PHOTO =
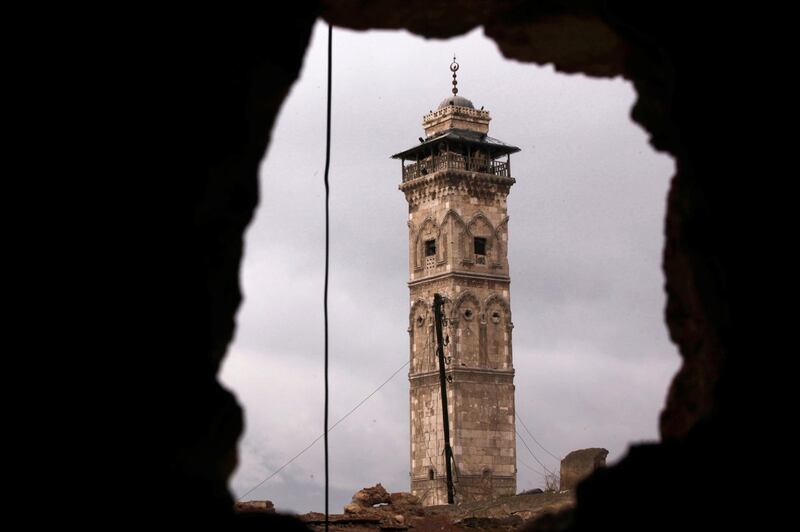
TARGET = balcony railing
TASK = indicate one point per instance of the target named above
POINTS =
(454, 161)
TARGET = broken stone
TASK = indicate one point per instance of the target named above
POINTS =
(578, 465)
(352, 508)
(317, 518)
(369, 497)
(261, 507)
(497, 515)
(509, 522)
(402, 500)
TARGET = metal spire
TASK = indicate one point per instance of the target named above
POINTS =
(453, 69)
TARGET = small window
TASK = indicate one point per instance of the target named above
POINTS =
(430, 248)
(480, 246)
(430, 474)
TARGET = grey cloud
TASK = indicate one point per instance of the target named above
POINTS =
(590, 349)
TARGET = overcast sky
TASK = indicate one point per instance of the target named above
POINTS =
(591, 351)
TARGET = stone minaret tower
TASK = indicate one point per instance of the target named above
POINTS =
(456, 182)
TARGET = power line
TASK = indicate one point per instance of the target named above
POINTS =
(531, 452)
(327, 259)
(521, 461)
(310, 445)
(534, 439)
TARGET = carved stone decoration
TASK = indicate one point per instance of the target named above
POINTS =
(428, 230)
(467, 341)
(419, 326)
(454, 229)
(498, 332)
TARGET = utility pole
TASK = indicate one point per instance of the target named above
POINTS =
(448, 452)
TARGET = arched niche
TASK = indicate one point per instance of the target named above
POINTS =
(498, 332)
(466, 318)
(422, 344)
(482, 249)
(454, 239)
(427, 249)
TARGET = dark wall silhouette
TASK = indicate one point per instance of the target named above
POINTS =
(215, 95)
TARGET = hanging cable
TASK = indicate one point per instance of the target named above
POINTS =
(310, 445)
(531, 453)
(327, 260)
(534, 439)
(521, 461)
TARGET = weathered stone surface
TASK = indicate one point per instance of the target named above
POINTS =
(402, 501)
(421, 17)
(369, 497)
(262, 521)
(353, 508)
(491, 523)
(579, 464)
(365, 517)
(505, 513)
(254, 507)
(181, 434)
(536, 504)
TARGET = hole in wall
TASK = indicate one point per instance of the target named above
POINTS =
(591, 353)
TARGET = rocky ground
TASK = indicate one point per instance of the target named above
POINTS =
(376, 509)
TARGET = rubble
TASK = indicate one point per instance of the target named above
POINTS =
(369, 497)
(260, 507)
(373, 508)
(579, 464)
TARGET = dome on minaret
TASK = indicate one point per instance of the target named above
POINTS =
(456, 100)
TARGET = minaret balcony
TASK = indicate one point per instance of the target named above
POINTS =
(454, 161)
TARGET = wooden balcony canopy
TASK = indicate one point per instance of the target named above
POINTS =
(460, 141)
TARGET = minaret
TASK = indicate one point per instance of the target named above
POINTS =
(456, 182)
